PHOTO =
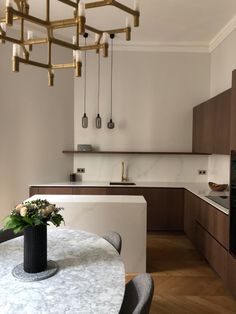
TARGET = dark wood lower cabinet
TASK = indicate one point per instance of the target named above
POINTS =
(208, 229)
(213, 251)
(50, 190)
(165, 209)
(231, 282)
(90, 191)
(190, 213)
(214, 221)
(173, 209)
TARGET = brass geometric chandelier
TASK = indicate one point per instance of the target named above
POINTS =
(20, 10)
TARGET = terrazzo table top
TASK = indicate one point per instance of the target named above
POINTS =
(91, 277)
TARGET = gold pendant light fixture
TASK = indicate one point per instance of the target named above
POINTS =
(19, 10)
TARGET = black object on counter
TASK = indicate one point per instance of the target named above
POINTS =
(73, 177)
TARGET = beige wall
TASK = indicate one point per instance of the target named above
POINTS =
(36, 124)
(153, 99)
(223, 62)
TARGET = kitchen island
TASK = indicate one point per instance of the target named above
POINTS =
(102, 213)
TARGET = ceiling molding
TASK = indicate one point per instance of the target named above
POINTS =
(223, 34)
(162, 47)
(191, 47)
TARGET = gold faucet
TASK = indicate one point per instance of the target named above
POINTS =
(123, 177)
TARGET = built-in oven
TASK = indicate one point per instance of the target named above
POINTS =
(232, 238)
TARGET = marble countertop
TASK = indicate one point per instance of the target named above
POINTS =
(199, 189)
(91, 277)
(134, 199)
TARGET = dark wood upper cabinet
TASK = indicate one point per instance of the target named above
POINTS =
(221, 125)
(203, 127)
(211, 125)
(233, 114)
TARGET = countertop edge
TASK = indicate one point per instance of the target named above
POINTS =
(198, 189)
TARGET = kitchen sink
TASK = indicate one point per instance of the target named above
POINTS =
(122, 183)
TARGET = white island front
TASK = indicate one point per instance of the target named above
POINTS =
(98, 214)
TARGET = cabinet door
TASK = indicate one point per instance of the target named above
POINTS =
(191, 205)
(216, 255)
(203, 122)
(33, 190)
(165, 209)
(55, 190)
(164, 206)
(232, 274)
(214, 221)
(221, 136)
(211, 125)
(89, 191)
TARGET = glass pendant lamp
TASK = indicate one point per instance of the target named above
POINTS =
(98, 118)
(111, 124)
(85, 118)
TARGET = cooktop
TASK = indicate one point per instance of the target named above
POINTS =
(222, 200)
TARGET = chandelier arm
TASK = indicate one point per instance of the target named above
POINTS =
(98, 4)
(94, 30)
(49, 54)
(28, 17)
(34, 63)
(35, 41)
(63, 43)
(11, 40)
(70, 3)
(18, 4)
(63, 66)
(77, 26)
(125, 8)
(22, 23)
(3, 19)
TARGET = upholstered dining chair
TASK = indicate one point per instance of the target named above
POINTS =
(138, 295)
(114, 239)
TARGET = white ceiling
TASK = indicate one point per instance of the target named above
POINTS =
(162, 21)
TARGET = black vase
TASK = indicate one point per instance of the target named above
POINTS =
(35, 249)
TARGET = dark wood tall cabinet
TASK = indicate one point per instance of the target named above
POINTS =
(211, 125)
(203, 127)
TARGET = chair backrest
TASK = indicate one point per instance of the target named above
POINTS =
(114, 239)
(8, 235)
(138, 295)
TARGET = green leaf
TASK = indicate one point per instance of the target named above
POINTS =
(28, 220)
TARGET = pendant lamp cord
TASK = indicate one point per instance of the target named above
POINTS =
(99, 69)
(85, 76)
(111, 74)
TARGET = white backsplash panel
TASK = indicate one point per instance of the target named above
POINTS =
(219, 168)
(164, 168)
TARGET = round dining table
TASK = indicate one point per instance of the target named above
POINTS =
(90, 279)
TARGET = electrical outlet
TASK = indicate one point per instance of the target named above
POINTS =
(81, 170)
(202, 172)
